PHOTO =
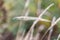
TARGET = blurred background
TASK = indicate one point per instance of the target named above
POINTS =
(12, 28)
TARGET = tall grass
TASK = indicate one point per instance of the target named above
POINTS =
(29, 35)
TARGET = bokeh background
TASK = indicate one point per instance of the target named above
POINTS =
(13, 29)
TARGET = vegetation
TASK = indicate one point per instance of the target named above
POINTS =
(29, 19)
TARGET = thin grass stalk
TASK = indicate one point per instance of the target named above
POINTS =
(48, 28)
(58, 37)
(26, 6)
(50, 33)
